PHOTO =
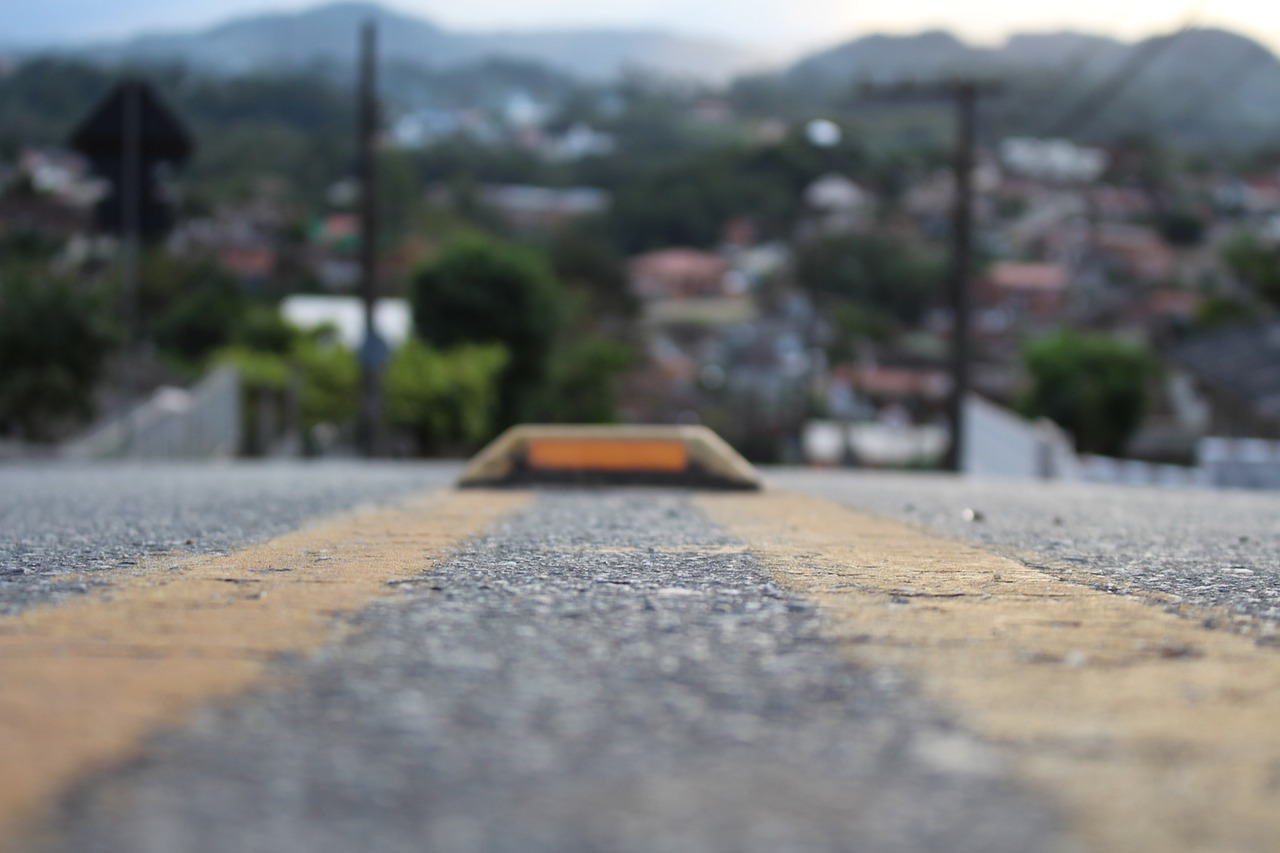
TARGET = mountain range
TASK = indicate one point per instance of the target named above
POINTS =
(1199, 85)
(288, 41)
(1205, 85)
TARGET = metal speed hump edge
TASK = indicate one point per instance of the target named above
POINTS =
(610, 455)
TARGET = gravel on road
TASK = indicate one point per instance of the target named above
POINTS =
(1206, 548)
(71, 519)
(606, 671)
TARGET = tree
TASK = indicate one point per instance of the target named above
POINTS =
(54, 340)
(444, 399)
(1256, 264)
(885, 278)
(585, 262)
(478, 290)
(200, 317)
(1091, 385)
(580, 384)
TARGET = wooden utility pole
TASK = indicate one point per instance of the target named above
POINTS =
(964, 94)
(373, 352)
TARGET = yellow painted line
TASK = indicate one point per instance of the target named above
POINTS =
(1152, 732)
(572, 454)
(82, 683)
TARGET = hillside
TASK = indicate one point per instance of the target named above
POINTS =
(327, 35)
(1203, 86)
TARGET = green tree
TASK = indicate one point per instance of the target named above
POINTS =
(580, 385)
(323, 374)
(54, 339)
(200, 317)
(445, 399)
(1256, 264)
(588, 265)
(1216, 312)
(886, 279)
(329, 378)
(686, 200)
(478, 290)
(1091, 385)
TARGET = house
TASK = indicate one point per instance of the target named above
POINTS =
(1136, 251)
(835, 204)
(1053, 159)
(1238, 372)
(392, 318)
(539, 208)
(1025, 293)
(678, 274)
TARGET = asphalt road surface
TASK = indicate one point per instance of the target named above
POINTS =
(68, 520)
(1212, 548)
(600, 671)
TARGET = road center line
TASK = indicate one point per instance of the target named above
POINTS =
(82, 683)
(1153, 732)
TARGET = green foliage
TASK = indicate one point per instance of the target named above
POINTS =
(259, 370)
(296, 128)
(42, 99)
(580, 387)
(445, 399)
(478, 290)
(201, 317)
(855, 324)
(887, 280)
(54, 339)
(263, 327)
(324, 375)
(687, 200)
(1255, 263)
(329, 376)
(1216, 312)
(586, 263)
(1091, 385)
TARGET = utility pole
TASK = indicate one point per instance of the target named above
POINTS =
(130, 202)
(373, 352)
(964, 94)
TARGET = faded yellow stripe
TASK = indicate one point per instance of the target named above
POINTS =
(82, 683)
(1154, 733)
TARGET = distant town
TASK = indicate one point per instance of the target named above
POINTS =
(766, 256)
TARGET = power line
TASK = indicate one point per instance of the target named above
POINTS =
(1101, 96)
(1072, 67)
(1198, 101)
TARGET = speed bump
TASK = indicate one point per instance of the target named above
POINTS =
(534, 454)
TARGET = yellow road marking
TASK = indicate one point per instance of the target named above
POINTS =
(1152, 732)
(82, 683)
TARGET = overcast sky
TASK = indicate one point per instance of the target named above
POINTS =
(782, 24)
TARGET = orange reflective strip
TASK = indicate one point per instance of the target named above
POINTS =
(576, 454)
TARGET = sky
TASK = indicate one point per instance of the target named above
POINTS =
(780, 25)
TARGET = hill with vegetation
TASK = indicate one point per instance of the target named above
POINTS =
(326, 35)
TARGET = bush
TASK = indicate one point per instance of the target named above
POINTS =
(54, 340)
(445, 400)
(1091, 385)
(480, 291)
